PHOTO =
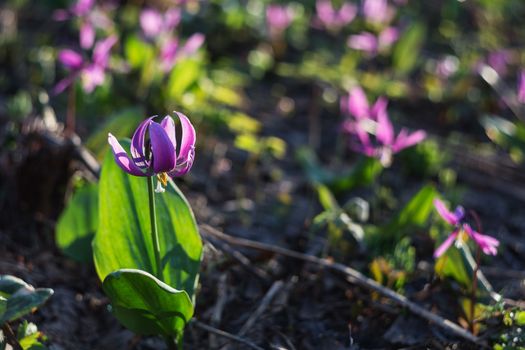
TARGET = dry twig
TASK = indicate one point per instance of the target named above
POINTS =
(224, 334)
(353, 276)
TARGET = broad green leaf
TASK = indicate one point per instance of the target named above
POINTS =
(123, 239)
(21, 297)
(184, 74)
(362, 173)
(120, 124)
(138, 53)
(78, 223)
(29, 337)
(145, 304)
(415, 212)
(406, 51)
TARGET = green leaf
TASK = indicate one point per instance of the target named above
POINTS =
(78, 223)
(459, 264)
(184, 74)
(146, 305)
(120, 124)
(123, 239)
(21, 297)
(415, 212)
(406, 52)
(138, 52)
(3, 306)
(362, 173)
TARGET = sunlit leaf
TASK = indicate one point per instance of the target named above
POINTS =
(78, 223)
(406, 51)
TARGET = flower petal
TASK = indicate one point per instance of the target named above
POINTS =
(162, 149)
(385, 129)
(193, 43)
(122, 159)
(487, 243)
(446, 244)
(405, 140)
(87, 35)
(70, 59)
(137, 148)
(169, 126)
(186, 153)
(445, 213)
(102, 50)
(364, 42)
(150, 22)
(357, 103)
(64, 84)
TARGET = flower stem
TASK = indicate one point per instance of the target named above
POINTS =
(154, 232)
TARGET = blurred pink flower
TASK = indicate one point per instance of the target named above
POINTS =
(91, 73)
(378, 11)
(90, 18)
(487, 244)
(171, 52)
(330, 18)
(153, 23)
(371, 43)
(278, 18)
(366, 121)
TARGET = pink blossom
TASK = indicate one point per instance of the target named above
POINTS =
(278, 18)
(373, 130)
(153, 23)
(371, 43)
(91, 73)
(332, 19)
(487, 244)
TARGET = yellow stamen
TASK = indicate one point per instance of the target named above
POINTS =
(163, 178)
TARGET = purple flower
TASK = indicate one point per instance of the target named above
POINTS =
(153, 23)
(377, 11)
(91, 73)
(90, 19)
(371, 43)
(171, 51)
(278, 18)
(487, 244)
(332, 19)
(157, 155)
(373, 121)
(521, 87)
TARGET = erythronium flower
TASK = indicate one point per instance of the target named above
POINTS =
(521, 87)
(487, 244)
(92, 73)
(153, 23)
(373, 121)
(90, 18)
(377, 11)
(171, 51)
(159, 155)
(371, 43)
(278, 18)
(332, 19)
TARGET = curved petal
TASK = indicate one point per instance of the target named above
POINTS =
(70, 59)
(385, 129)
(137, 148)
(487, 243)
(122, 159)
(446, 244)
(150, 22)
(102, 50)
(169, 126)
(87, 35)
(162, 149)
(64, 84)
(379, 107)
(405, 140)
(357, 103)
(193, 43)
(188, 137)
(445, 213)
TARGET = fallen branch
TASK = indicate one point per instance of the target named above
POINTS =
(224, 334)
(353, 276)
(265, 302)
